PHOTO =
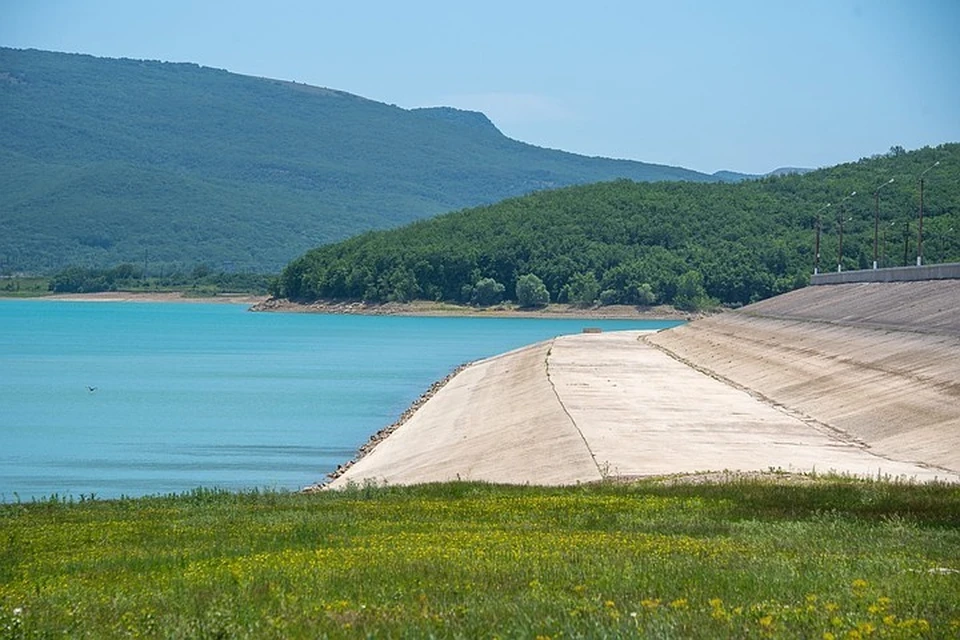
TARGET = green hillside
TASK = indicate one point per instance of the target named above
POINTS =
(629, 243)
(105, 161)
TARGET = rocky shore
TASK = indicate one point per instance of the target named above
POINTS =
(427, 308)
(382, 434)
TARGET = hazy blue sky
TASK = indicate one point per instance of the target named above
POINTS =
(726, 84)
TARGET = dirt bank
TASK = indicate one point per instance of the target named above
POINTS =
(425, 308)
(164, 296)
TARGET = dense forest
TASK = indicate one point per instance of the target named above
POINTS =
(106, 161)
(682, 243)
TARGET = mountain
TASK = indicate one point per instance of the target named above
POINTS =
(786, 171)
(640, 243)
(104, 161)
(734, 176)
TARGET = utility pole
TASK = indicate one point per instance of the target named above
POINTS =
(906, 241)
(840, 246)
(920, 227)
(876, 219)
(816, 250)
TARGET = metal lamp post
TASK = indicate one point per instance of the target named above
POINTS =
(876, 219)
(840, 245)
(883, 245)
(816, 249)
(920, 227)
(906, 240)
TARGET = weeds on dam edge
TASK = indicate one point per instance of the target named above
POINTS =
(836, 558)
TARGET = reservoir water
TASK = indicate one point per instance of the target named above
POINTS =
(133, 399)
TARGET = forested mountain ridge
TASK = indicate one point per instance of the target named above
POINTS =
(644, 243)
(104, 161)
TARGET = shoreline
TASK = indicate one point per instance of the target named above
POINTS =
(417, 308)
(382, 434)
(150, 296)
(423, 308)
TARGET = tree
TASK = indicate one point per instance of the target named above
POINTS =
(583, 289)
(531, 292)
(402, 285)
(690, 294)
(487, 292)
(646, 296)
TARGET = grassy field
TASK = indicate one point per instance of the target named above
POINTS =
(24, 286)
(833, 558)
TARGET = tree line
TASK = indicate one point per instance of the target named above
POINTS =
(130, 277)
(622, 242)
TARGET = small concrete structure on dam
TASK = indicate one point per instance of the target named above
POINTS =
(858, 378)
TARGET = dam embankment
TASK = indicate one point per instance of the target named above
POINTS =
(879, 362)
(861, 379)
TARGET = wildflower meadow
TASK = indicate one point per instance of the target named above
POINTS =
(830, 558)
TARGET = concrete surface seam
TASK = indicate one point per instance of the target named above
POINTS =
(947, 387)
(832, 432)
(546, 363)
(874, 326)
(824, 428)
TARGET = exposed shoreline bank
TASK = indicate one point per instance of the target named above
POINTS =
(149, 296)
(427, 308)
(418, 308)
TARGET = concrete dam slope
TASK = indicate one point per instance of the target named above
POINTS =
(828, 379)
(878, 362)
(498, 420)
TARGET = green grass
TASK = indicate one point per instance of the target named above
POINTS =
(836, 558)
(24, 286)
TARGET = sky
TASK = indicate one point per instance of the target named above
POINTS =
(740, 85)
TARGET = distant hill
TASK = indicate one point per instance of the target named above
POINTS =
(733, 176)
(104, 161)
(786, 171)
(635, 243)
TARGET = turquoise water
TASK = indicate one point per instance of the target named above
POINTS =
(190, 395)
